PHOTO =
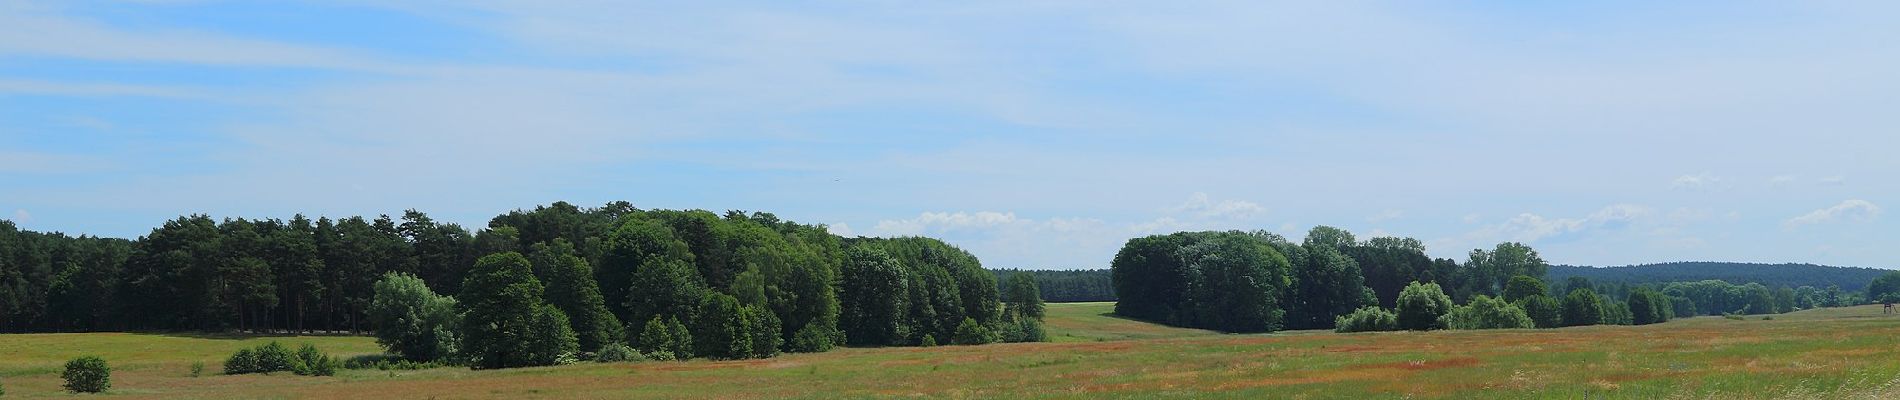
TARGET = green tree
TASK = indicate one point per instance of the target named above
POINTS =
(872, 295)
(722, 330)
(1884, 287)
(1544, 311)
(1523, 286)
(550, 337)
(1421, 305)
(1649, 307)
(664, 288)
(571, 288)
(502, 307)
(1240, 285)
(971, 332)
(411, 320)
(1022, 299)
(1328, 284)
(1582, 307)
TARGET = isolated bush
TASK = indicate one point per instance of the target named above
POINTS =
(411, 320)
(1367, 319)
(616, 352)
(1486, 312)
(87, 374)
(1581, 307)
(1545, 312)
(197, 368)
(1023, 330)
(971, 332)
(1420, 305)
(929, 341)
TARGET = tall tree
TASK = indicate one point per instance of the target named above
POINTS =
(872, 295)
(571, 288)
(503, 313)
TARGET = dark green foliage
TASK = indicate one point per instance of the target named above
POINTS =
(972, 332)
(1775, 275)
(1421, 305)
(1367, 319)
(1022, 299)
(1022, 330)
(1615, 312)
(1683, 307)
(505, 324)
(1522, 286)
(1544, 311)
(197, 368)
(616, 352)
(243, 362)
(873, 294)
(1885, 288)
(1486, 312)
(386, 362)
(1487, 272)
(1649, 307)
(311, 362)
(274, 357)
(1389, 263)
(551, 339)
(666, 289)
(812, 339)
(571, 288)
(87, 374)
(1067, 286)
(1582, 307)
(764, 329)
(658, 341)
(1230, 281)
(723, 329)
(411, 320)
(1325, 285)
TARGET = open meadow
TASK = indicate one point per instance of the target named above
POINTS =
(1849, 352)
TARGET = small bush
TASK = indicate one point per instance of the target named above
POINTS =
(1733, 316)
(929, 341)
(197, 368)
(616, 352)
(244, 362)
(87, 374)
(1768, 318)
(314, 363)
(1420, 305)
(813, 338)
(389, 362)
(274, 357)
(970, 332)
(1367, 319)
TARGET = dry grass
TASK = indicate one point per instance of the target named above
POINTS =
(1823, 354)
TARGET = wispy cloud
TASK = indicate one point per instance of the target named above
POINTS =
(1849, 210)
(1696, 181)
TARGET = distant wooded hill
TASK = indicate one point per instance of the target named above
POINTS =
(1068, 286)
(1850, 279)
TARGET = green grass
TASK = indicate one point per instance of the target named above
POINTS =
(1820, 354)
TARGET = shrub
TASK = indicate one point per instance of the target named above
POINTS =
(1545, 312)
(1367, 319)
(314, 363)
(616, 352)
(1026, 330)
(197, 368)
(87, 374)
(929, 341)
(656, 340)
(551, 339)
(388, 362)
(765, 331)
(1486, 312)
(274, 357)
(813, 338)
(1420, 306)
(244, 362)
(411, 320)
(1615, 312)
(971, 332)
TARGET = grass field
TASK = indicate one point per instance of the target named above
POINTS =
(1820, 354)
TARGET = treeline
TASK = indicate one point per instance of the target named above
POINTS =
(1259, 281)
(1069, 286)
(608, 273)
(1849, 279)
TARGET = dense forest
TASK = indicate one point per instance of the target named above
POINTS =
(1849, 279)
(1257, 281)
(1069, 286)
(606, 275)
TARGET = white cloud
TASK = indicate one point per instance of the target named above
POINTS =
(1850, 210)
(1696, 181)
(1200, 205)
(945, 221)
(841, 229)
(20, 215)
(1528, 227)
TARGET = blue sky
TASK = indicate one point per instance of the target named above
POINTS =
(1037, 134)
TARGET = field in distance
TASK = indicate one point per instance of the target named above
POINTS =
(1826, 353)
